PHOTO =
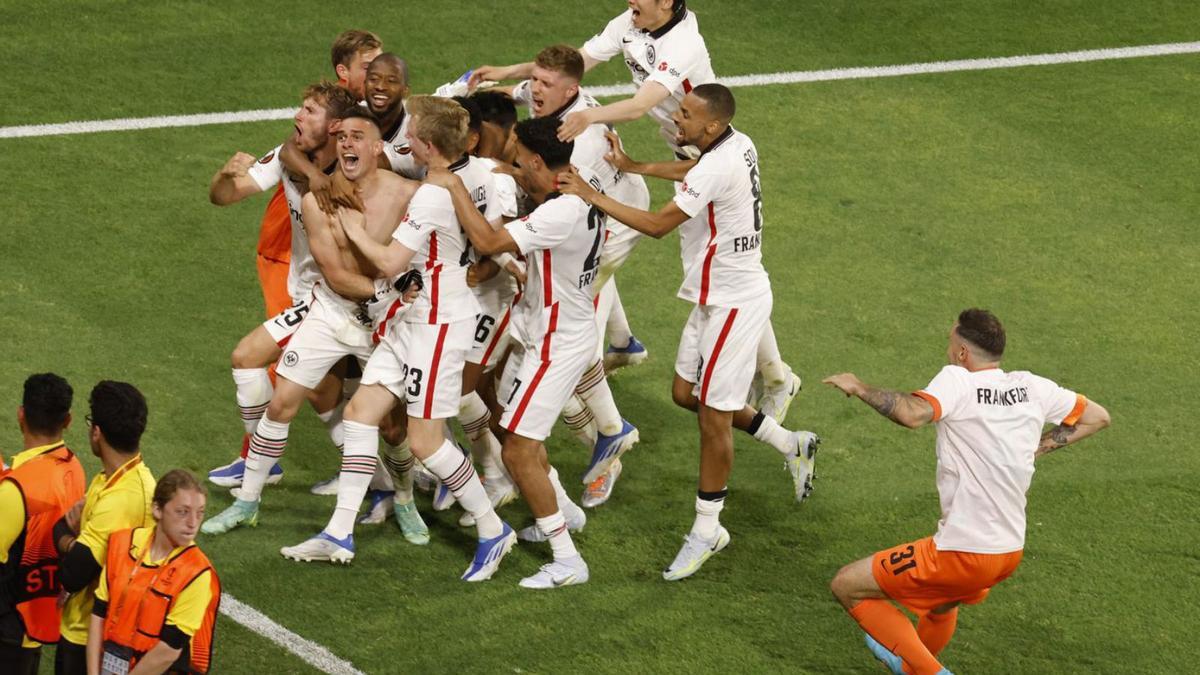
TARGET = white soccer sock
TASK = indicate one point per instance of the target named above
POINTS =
(457, 473)
(358, 466)
(618, 329)
(708, 513)
(382, 480)
(593, 389)
(770, 363)
(554, 527)
(580, 420)
(560, 495)
(767, 430)
(253, 394)
(398, 460)
(474, 415)
(266, 447)
(332, 419)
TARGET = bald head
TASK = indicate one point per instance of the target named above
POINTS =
(719, 101)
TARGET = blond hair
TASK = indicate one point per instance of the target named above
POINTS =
(440, 122)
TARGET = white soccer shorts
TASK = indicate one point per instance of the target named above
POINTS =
(422, 364)
(283, 325)
(535, 388)
(491, 338)
(328, 333)
(718, 352)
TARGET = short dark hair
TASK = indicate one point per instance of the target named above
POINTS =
(119, 411)
(496, 108)
(719, 100)
(563, 59)
(360, 113)
(47, 403)
(540, 135)
(350, 43)
(982, 329)
(476, 117)
(173, 481)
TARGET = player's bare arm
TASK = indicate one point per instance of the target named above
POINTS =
(390, 259)
(233, 182)
(648, 95)
(486, 239)
(331, 259)
(900, 407)
(1093, 419)
(655, 224)
(676, 170)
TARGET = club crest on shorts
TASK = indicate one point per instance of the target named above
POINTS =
(291, 359)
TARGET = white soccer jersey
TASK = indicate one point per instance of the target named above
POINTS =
(495, 195)
(399, 155)
(561, 242)
(302, 270)
(989, 423)
(674, 56)
(432, 230)
(724, 185)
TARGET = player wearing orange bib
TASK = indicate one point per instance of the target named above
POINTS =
(989, 432)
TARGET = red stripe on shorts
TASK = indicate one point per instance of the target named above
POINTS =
(433, 370)
(499, 333)
(712, 360)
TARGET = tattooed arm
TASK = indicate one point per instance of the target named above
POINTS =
(1093, 419)
(902, 408)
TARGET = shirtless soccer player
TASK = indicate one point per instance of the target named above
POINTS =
(323, 105)
(553, 324)
(661, 44)
(338, 324)
(989, 433)
(420, 358)
(732, 295)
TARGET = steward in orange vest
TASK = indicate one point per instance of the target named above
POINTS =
(158, 597)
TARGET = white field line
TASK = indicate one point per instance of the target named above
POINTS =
(310, 652)
(136, 123)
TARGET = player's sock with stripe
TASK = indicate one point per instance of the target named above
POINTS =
(266, 447)
(475, 417)
(457, 473)
(381, 480)
(770, 363)
(554, 527)
(618, 324)
(332, 419)
(935, 630)
(708, 512)
(358, 466)
(593, 389)
(253, 394)
(398, 460)
(580, 421)
(560, 495)
(894, 631)
(766, 429)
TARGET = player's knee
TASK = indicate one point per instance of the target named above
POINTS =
(515, 453)
(243, 354)
(843, 587)
(681, 394)
(282, 408)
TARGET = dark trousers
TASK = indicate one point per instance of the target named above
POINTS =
(70, 658)
(19, 660)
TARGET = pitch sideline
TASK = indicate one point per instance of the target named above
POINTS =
(763, 79)
(310, 652)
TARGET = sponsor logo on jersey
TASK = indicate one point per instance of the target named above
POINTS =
(663, 66)
(528, 226)
(689, 190)
(291, 358)
(267, 157)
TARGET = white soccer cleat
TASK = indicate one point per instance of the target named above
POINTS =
(322, 548)
(380, 504)
(325, 488)
(775, 402)
(695, 551)
(575, 517)
(500, 491)
(568, 572)
(802, 465)
(598, 491)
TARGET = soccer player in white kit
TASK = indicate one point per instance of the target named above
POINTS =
(732, 295)
(420, 358)
(667, 57)
(339, 322)
(323, 105)
(989, 433)
(554, 325)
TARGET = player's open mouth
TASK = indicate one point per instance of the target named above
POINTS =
(349, 161)
(537, 103)
(380, 100)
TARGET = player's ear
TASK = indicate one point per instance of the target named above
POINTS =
(343, 72)
(335, 125)
(21, 417)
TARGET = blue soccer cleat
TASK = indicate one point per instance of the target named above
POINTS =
(231, 474)
(488, 555)
(886, 657)
(608, 450)
(629, 355)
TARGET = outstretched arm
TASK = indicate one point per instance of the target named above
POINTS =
(902, 408)
(233, 182)
(656, 225)
(648, 95)
(1093, 419)
(667, 170)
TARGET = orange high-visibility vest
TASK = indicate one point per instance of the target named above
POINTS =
(50, 484)
(140, 597)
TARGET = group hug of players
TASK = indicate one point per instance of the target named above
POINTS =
(465, 263)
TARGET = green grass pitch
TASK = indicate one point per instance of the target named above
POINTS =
(1063, 198)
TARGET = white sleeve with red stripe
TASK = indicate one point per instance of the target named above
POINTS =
(429, 202)
(701, 186)
(548, 226)
(680, 60)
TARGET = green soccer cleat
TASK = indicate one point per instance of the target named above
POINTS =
(411, 525)
(239, 513)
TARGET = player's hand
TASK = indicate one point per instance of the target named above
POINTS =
(353, 223)
(517, 270)
(318, 184)
(504, 168)
(847, 383)
(441, 177)
(482, 271)
(573, 125)
(409, 285)
(616, 154)
(485, 73)
(569, 182)
(73, 516)
(238, 165)
(343, 192)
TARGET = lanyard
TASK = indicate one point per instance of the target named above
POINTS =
(125, 468)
